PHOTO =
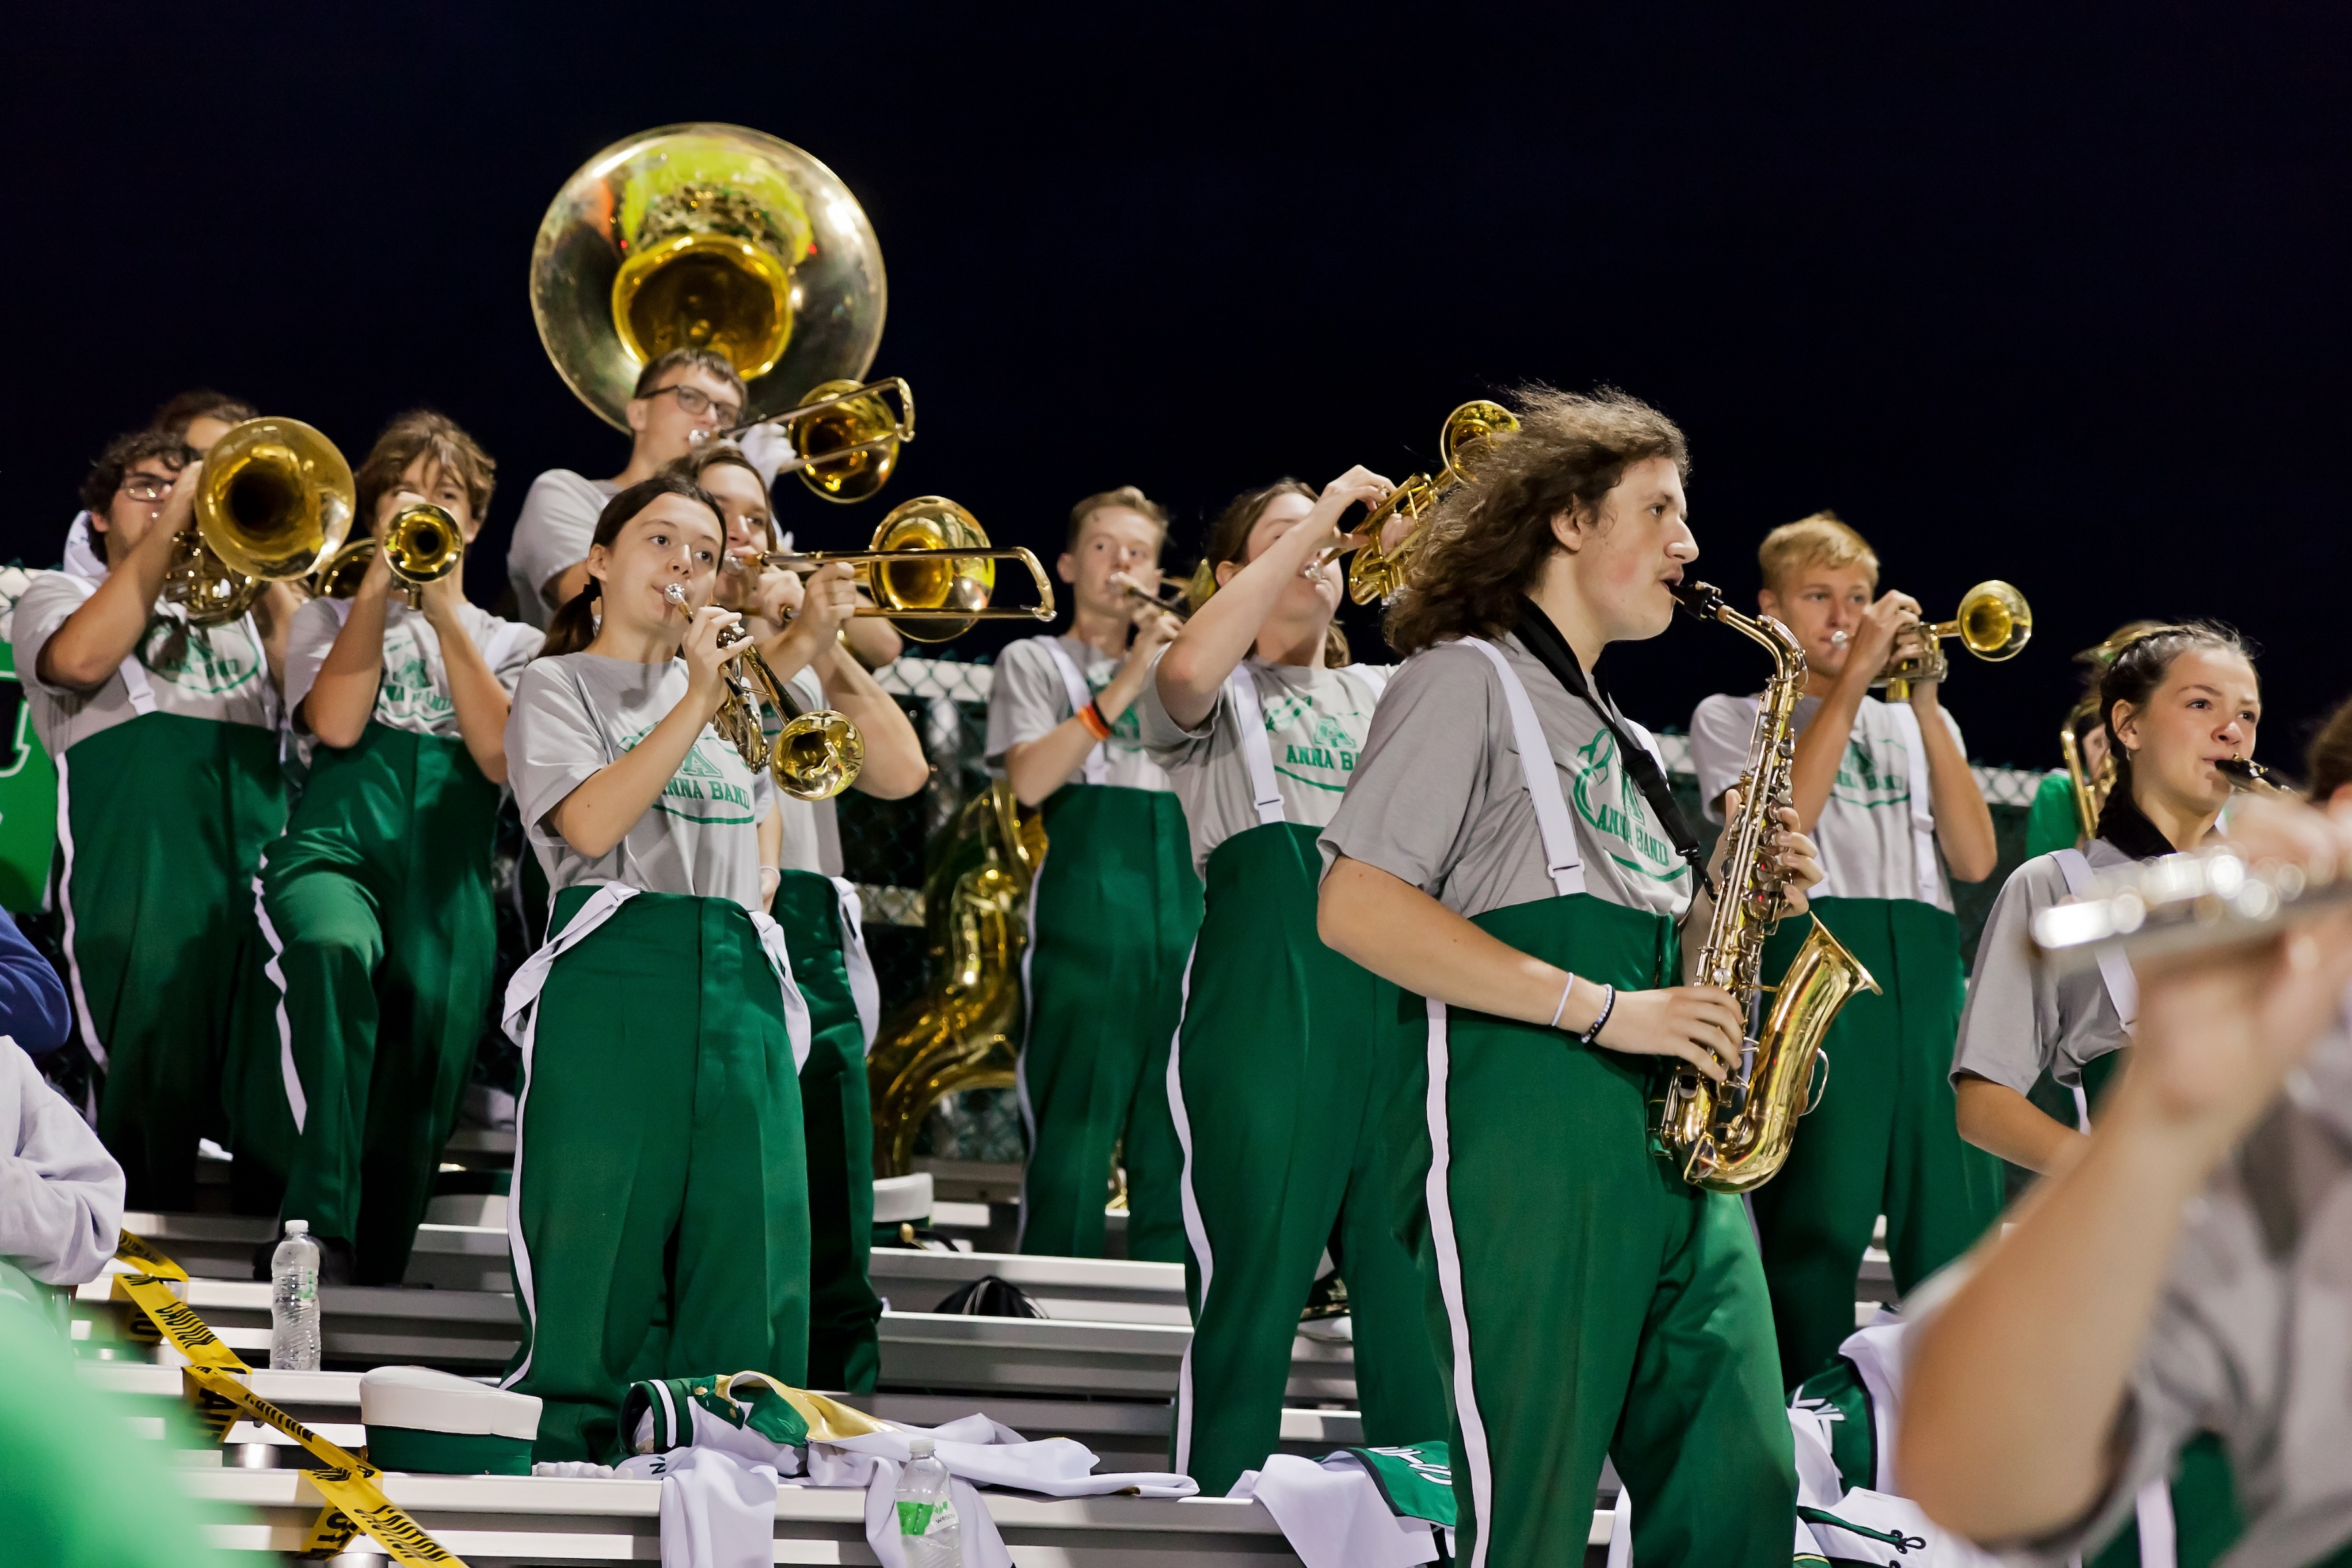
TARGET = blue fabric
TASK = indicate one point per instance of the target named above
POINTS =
(33, 1005)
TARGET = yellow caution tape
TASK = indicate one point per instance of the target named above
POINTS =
(213, 1383)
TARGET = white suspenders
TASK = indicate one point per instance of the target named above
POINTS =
(1542, 775)
(1926, 876)
(2122, 986)
(1250, 719)
(1075, 683)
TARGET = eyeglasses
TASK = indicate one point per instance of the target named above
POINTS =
(695, 403)
(146, 487)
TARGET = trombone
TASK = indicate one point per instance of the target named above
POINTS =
(1994, 622)
(422, 542)
(1376, 574)
(844, 437)
(274, 501)
(930, 569)
(816, 754)
(1173, 597)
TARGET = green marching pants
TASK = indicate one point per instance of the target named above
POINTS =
(1884, 1138)
(1280, 1080)
(1112, 915)
(368, 991)
(161, 821)
(659, 1213)
(837, 1122)
(1590, 1300)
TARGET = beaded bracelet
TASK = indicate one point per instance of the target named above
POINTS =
(1608, 1005)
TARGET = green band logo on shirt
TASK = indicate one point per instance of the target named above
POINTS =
(1860, 781)
(407, 690)
(1319, 750)
(704, 789)
(210, 661)
(1612, 805)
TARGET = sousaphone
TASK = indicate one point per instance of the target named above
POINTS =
(706, 236)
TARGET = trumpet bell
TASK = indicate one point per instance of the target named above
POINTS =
(905, 590)
(1995, 623)
(424, 543)
(276, 498)
(864, 424)
(706, 236)
(816, 756)
(1467, 429)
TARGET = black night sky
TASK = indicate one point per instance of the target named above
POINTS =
(2055, 294)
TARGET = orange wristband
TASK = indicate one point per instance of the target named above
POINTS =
(1096, 725)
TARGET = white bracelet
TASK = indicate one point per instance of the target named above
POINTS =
(1556, 1012)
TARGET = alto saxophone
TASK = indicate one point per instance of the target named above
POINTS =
(1734, 1136)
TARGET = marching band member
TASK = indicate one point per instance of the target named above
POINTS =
(2054, 821)
(1115, 905)
(1882, 787)
(681, 397)
(199, 417)
(1277, 1081)
(2185, 1273)
(379, 938)
(2172, 703)
(798, 632)
(1509, 851)
(168, 787)
(659, 1217)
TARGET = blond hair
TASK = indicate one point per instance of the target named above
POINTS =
(1127, 497)
(1820, 540)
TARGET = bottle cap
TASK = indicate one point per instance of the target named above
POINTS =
(297, 1228)
(918, 1447)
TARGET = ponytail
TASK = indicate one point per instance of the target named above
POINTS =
(574, 625)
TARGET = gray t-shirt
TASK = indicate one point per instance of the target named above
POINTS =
(200, 672)
(2022, 1020)
(1030, 696)
(1440, 799)
(1316, 722)
(414, 692)
(574, 714)
(551, 535)
(2252, 1334)
(1865, 832)
(812, 838)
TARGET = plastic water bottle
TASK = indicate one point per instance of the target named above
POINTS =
(294, 1300)
(926, 1516)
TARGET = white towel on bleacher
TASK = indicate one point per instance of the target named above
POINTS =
(716, 1510)
(1333, 1516)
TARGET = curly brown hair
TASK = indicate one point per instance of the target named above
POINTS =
(2328, 763)
(1229, 540)
(1487, 540)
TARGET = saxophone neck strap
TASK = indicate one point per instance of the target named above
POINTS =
(1542, 639)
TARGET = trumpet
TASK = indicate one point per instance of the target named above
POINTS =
(930, 570)
(275, 500)
(422, 542)
(1376, 574)
(845, 439)
(1994, 622)
(816, 754)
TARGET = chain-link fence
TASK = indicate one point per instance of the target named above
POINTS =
(884, 842)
